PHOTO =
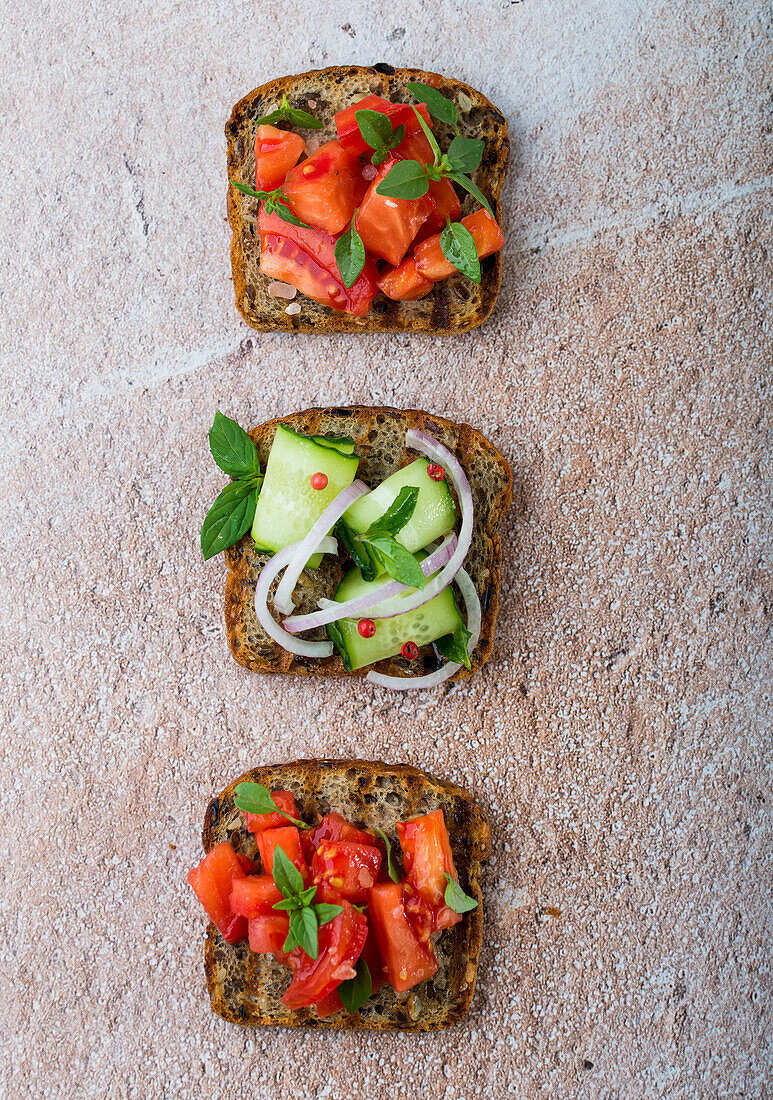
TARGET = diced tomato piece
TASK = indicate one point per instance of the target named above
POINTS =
(324, 189)
(340, 944)
(427, 857)
(248, 866)
(432, 264)
(406, 960)
(289, 840)
(388, 226)
(334, 827)
(399, 113)
(212, 882)
(268, 932)
(370, 954)
(276, 151)
(305, 258)
(349, 868)
(447, 205)
(285, 800)
(328, 1005)
(403, 283)
(254, 896)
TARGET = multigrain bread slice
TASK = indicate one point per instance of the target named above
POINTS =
(245, 988)
(455, 304)
(379, 435)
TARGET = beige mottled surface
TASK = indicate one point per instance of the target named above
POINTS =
(620, 737)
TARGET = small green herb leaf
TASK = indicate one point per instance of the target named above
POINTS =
(335, 634)
(354, 992)
(307, 896)
(286, 875)
(350, 254)
(407, 180)
(391, 866)
(232, 448)
(254, 798)
(247, 190)
(277, 205)
(476, 193)
(454, 646)
(288, 905)
(304, 926)
(397, 514)
(429, 136)
(397, 136)
(326, 913)
(230, 517)
(397, 561)
(458, 246)
(375, 127)
(290, 943)
(456, 898)
(292, 114)
(357, 550)
(438, 106)
(465, 154)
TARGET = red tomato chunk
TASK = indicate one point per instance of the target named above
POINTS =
(276, 151)
(399, 114)
(334, 827)
(324, 189)
(388, 226)
(340, 945)
(285, 800)
(351, 869)
(403, 283)
(254, 896)
(289, 840)
(268, 932)
(427, 857)
(406, 960)
(212, 882)
(432, 264)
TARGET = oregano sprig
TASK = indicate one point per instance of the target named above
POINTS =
(306, 918)
(274, 202)
(377, 132)
(286, 113)
(231, 516)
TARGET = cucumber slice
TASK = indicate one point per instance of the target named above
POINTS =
(426, 624)
(342, 443)
(287, 505)
(434, 515)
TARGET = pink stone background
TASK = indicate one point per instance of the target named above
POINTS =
(620, 736)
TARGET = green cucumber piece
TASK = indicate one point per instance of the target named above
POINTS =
(288, 506)
(425, 624)
(342, 443)
(434, 515)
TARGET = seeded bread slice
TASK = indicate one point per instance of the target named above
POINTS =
(245, 988)
(454, 305)
(379, 435)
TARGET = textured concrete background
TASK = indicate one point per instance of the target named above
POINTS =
(619, 737)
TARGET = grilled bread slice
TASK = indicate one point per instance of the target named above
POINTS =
(245, 988)
(379, 435)
(455, 304)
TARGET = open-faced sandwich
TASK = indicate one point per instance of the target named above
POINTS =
(359, 541)
(366, 200)
(314, 922)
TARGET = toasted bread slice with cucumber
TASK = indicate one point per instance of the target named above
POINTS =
(379, 442)
(245, 988)
(454, 305)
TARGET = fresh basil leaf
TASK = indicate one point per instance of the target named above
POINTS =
(350, 254)
(476, 193)
(458, 246)
(407, 180)
(230, 517)
(326, 913)
(288, 905)
(335, 635)
(397, 514)
(391, 866)
(428, 135)
(286, 875)
(438, 106)
(303, 925)
(465, 154)
(454, 646)
(455, 897)
(357, 550)
(354, 992)
(397, 561)
(303, 119)
(375, 127)
(307, 896)
(254, 798)
(232, 448)
(278, 206)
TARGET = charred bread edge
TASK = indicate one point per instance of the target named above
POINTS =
(413, 778)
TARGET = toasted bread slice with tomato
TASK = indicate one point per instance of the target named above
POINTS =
(245, 988)
(454, 305)
(379, 435)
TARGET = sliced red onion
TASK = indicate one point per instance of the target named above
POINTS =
(309, 544)
(379, 603)
(432, 679)
(270, 570)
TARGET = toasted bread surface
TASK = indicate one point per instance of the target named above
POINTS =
(379, 435)
(246, 989)
(454, 305)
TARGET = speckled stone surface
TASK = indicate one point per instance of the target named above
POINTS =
(620, 736)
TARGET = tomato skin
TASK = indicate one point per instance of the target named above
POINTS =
(212, 881)
(406, 960)
(447, 205)
(340, 945)
(388, 226)
(305, 258)
(268, 932)
(276, 152)
(399, 113)
(432, 264)
(254, 896)
(427, 857)
(289, 840)
(256, 823)
(324, 189)
(404, 283)
(248, 866)
(349, 868)
(334, 827)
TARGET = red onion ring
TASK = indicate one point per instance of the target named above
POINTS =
(269, 571)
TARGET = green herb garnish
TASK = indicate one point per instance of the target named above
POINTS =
(350, 254)
(254, 798)
(355, 991)
(232, 448)
(305, 918)
(454, 646)
(391, 865)
(384, 548)
(273, 201)
(232, 514)
(440, 108)
(286, 113)
(458, 246)
(455, 897)
(377, 132)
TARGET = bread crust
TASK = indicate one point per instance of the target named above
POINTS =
(245, 988)
(454, 304)
(491, 482)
